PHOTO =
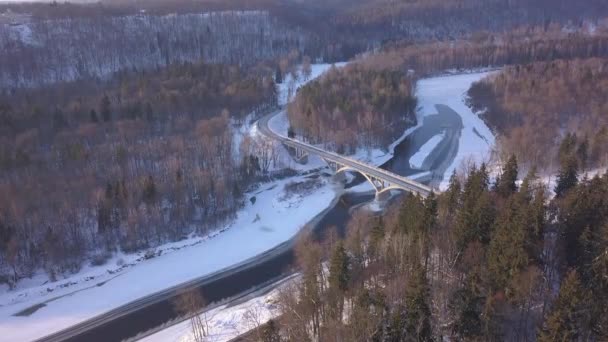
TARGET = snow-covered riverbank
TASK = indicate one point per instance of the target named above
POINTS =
(272, 215)
(228, 322)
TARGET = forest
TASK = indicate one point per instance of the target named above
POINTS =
(45, 43)
(483, 261)
(37, 52)
(523, 45)
(531, 105)
(119, 130)
(149, 157)
(354, 107)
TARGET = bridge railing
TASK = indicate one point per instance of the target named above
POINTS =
(319, 151)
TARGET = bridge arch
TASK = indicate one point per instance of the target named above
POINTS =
(379, 187)
(394, 187)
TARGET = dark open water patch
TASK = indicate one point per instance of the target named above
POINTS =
(28, 311)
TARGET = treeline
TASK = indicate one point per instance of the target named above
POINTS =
(146, 158)
(60, 42)
(389, 20)
(531, 105)
(36, 52)
(354, 106)
(483, 49)
(480, 262)
(193, 90)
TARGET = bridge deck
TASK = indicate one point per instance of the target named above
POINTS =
(391, 178)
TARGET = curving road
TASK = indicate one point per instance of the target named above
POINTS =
(154, 310)
(391, 178)
(145, 315)
(157, 309)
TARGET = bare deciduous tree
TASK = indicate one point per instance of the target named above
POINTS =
(190, 303)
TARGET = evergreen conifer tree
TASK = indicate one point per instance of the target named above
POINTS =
(506, 186)
(567, 177)
(564, 322)
(418, 320)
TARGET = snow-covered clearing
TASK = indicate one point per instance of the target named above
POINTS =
(418, 158)
(477, 140)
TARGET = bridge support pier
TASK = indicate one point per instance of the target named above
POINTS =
(339, 177)
(299, 155)
(382, 196)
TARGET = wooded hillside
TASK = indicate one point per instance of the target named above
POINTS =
(524, 45)
(354, 107)
(480, 262)
(89, 168)
(532, 106)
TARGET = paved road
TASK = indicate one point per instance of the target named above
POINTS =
(376, 172)
(156, 309)
(231, 283)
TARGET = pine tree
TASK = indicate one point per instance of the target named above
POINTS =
(453, 193)
(582, 152)
(567, 148)
(506, 186)
(430, 212)
(564, 322)
(339, 269)
(411, 216)
(339, 277)
(476, 216)
(417, 297)
(465, 306)
(567, 177)
(507, 250)
(376, 236)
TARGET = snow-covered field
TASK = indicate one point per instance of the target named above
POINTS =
(477, 140)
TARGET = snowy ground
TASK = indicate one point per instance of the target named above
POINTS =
(228, 321)
(316, 71)
(477, 140)
(449, 90)
(271, 219)
(275, 217)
